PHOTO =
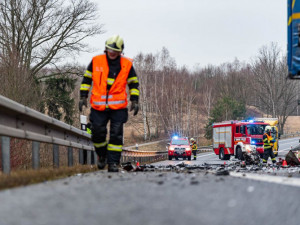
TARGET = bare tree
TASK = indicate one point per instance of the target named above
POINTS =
(42, 33)
(175, 100)
(208, 100)
(276, 93)
(145, 66)
(16, 82)
(154, 73)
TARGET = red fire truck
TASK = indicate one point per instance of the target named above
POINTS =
(238, 138)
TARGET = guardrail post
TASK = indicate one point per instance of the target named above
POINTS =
(35, 155)
(70, 156)
(80, 152)
(55, 156)
(5, 146)
(95, 157)
(84, 156)
(88, 157)
(92, 158)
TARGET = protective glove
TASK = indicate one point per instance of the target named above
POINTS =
(82, 102)
(135, 107)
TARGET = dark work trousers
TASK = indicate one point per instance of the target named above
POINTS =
(194, 153)
(99, 120)
(267, 153)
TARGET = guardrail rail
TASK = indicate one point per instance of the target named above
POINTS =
(19, 121)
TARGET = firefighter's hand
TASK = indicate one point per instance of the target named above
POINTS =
(134, 107)
(82, 102)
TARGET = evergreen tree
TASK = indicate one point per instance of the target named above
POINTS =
(225, 109)
(58, 100)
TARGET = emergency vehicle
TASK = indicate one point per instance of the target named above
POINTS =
(236, 138)
(179, 147)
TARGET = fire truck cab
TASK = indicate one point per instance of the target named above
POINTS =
(236, 138)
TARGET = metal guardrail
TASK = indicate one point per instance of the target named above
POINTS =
(143, 156)
(297, 134)
(22, 122)
(145, 144)
(19, 121)
(204, 149)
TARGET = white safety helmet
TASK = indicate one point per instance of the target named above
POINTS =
(268, 129)
(192, 139)
(115, 43)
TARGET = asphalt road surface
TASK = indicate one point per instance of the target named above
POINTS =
(153, 198)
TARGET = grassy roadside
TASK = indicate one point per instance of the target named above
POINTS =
(26, 177)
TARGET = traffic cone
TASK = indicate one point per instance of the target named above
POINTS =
(137, 164)
(284, 164)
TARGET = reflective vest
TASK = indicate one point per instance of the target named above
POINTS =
(268, 141)
(116, 97)
(194, 146)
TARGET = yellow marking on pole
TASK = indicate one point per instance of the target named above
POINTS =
(294, 16)
(293, 4)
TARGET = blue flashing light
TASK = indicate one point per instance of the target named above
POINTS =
(253, 142)
(251, 121)
(175, 137)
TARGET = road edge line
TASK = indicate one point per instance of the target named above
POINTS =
(267, 178)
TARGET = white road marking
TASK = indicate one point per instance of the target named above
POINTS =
(271, 179)
(205, 155)
(283, 150)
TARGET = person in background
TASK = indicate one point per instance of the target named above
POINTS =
(194, 148)
(108, 75)
(268, 146)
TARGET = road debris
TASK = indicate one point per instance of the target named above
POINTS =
(280, 168)
(291, 159)
(252, 158)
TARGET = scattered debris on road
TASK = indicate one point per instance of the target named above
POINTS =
(290, 166)
(291, 159)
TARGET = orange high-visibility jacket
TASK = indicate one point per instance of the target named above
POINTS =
(116, 97)
(268, 141)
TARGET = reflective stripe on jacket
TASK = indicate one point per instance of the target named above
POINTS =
(116, 97)
(268, 141)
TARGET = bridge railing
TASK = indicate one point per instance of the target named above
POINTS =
(19, 121)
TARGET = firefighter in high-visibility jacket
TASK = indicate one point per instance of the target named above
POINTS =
(107, 75)
(194, 147)
(268, 146)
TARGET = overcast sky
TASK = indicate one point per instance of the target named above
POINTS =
(196, 32)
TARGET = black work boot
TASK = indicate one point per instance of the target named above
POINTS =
(113, 167)
(101, 163)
